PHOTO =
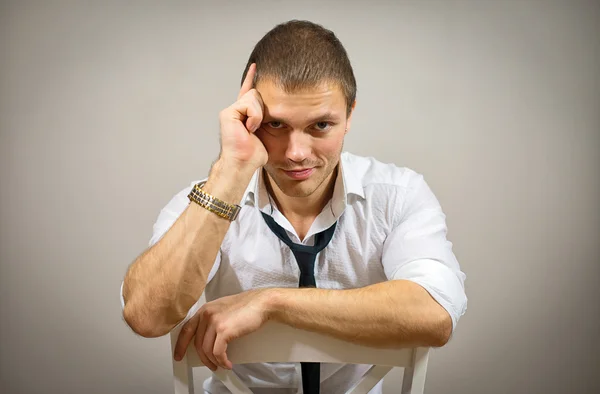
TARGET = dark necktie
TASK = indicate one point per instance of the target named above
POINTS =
(305, 257)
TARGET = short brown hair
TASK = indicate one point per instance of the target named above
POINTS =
(301, 54)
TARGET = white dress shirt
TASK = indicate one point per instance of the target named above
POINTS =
(390, 226)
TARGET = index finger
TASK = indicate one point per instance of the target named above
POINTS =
(247, 85)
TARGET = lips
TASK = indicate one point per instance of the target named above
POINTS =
(299, 174)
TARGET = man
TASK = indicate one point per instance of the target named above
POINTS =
(288, 227)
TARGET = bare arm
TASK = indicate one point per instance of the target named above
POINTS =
(164, 282)
(397, 313)
(391, 314)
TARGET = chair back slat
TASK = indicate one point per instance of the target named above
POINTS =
(276, 342)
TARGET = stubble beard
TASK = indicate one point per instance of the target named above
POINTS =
(297, 189)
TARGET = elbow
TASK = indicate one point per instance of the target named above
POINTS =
(143, 325)
(434, 332)
(441, 330)
(142, 321)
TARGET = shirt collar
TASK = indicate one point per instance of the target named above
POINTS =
(347, 183)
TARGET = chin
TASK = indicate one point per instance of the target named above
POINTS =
(302, 189)
(298, 189)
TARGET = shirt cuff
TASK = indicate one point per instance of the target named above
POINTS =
(442, 283)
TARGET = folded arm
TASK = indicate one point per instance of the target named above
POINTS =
(397, 313)
(391, 314)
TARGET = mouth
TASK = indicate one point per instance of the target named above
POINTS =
(300, 174)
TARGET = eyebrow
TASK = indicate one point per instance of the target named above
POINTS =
(322, 117)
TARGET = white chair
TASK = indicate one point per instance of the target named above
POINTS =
(276, 342)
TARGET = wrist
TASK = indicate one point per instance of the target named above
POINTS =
(234, 167)
(228, 182)
(273, 302)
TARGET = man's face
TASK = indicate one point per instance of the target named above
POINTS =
(303, 133)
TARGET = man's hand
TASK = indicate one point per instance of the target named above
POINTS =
(219, 322)
(242, 152)
(240, 147)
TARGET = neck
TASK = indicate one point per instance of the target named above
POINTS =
(307, 207)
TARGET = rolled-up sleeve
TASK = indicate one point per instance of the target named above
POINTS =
(166, 218)
(418, 250)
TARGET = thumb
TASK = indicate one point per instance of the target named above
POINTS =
(252, 124)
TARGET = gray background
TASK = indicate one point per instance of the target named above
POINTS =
(107, 109)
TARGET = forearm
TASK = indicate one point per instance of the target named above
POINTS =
(167, 279)
(390, 314)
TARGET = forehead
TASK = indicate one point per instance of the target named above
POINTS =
(324, 98)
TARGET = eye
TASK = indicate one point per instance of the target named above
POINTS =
(275, 125)
(323, 126)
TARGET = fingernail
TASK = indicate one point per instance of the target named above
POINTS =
(177, 357)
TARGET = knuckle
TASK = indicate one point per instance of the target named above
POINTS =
(205, 314)
(210, 319)
(255, 97)
(221, 327)
(259, 110)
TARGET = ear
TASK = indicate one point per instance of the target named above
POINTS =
(349, 119)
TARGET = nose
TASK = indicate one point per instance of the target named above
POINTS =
(298, 146)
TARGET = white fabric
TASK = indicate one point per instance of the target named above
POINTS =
(390, 226)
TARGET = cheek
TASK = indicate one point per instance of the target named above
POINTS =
(329, 148)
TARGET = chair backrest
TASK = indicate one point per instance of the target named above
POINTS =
(276, 342)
